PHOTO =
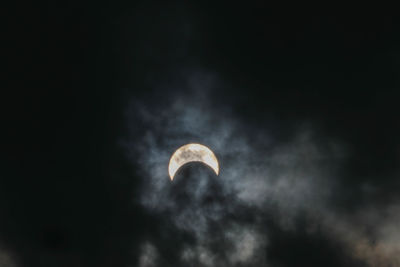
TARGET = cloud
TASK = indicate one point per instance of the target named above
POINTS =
(371, 235)
(6, 259)
(264, 184)
(148, 255)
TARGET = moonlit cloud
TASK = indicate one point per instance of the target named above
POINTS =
(377, 246)
(261, 181)
(148, 255)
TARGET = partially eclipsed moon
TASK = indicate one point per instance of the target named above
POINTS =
(190, 153)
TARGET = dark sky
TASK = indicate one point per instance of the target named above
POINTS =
(302, 110)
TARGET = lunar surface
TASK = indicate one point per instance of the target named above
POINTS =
(192, 153)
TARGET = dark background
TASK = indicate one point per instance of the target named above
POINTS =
(66, 189)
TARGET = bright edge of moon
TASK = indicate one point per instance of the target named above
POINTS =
(192, 153)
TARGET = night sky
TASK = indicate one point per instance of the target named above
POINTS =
(301, 109)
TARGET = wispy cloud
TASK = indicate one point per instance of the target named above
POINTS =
(261, 180)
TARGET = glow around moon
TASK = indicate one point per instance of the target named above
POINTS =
(192, 153)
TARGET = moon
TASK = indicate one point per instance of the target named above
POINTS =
(192, 153)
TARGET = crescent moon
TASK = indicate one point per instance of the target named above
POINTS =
(191, 153)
